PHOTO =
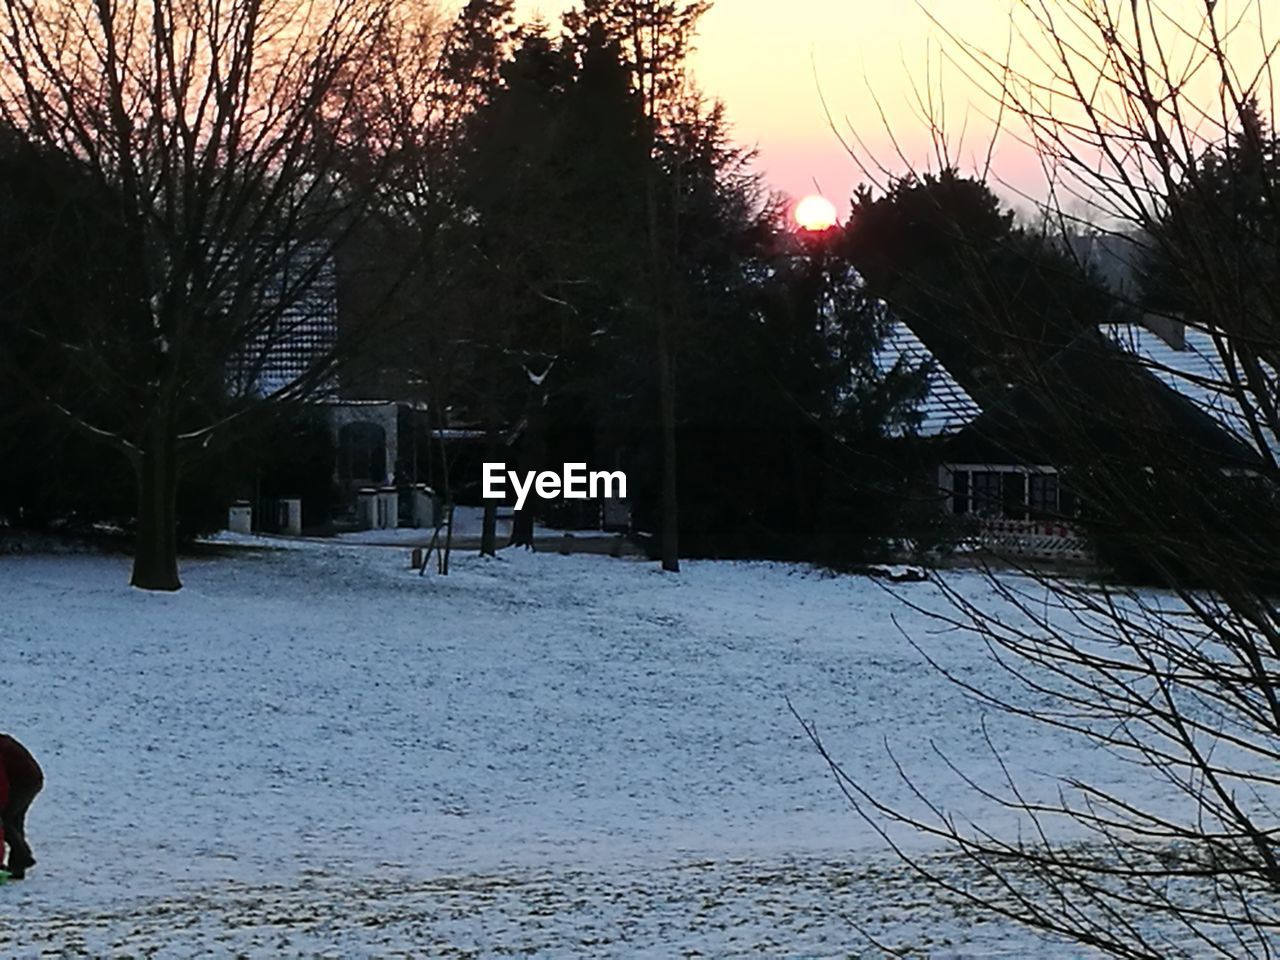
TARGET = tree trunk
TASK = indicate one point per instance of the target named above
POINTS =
(155, 557)
(489, 535)
(667, 402)
(522, 529)
(489, 532)
(663, 294)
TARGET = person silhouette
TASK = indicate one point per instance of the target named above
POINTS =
(20, 780)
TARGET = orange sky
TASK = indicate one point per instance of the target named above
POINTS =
(760, 57)
(768, 60)
(774, 63)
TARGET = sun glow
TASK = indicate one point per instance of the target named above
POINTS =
(815, 213)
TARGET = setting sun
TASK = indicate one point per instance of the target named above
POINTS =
(815, 213)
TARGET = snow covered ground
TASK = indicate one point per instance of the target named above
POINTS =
(468, 525)
(314, 751)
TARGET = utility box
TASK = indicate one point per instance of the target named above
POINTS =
(291, 517)
(240, 517)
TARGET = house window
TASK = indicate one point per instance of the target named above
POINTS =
(985, 488)
(1044, 496)
(960, 491)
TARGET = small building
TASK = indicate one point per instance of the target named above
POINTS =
(296, 356)
(1115, 393)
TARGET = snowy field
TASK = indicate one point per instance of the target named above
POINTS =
(315, 752)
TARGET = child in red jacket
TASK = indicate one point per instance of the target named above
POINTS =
(20, 780)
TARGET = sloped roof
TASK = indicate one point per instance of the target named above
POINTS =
(1095, 401)
(1195, 371)
(947, 407)
(302, 327)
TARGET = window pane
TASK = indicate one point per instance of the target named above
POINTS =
(986, 493)
(1044, 495)
(960, 491)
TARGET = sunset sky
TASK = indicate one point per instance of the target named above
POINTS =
(772, 62)
(767, 61)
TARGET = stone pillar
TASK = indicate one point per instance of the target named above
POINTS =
(388, 508)
(367, 508)
(240, 517)
(291, 517)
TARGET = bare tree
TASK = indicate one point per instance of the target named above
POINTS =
(425, 117)
(221, 133)
(1151, 116)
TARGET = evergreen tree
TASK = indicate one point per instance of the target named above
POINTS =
(992, 300)
(592, 212)
(1224, 217)
(655, 38)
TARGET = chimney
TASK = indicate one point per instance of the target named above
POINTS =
(1172, 330)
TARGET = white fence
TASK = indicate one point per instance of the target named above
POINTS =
(1033, 539)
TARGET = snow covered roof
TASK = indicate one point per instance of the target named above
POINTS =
(306, 329)
(947, 406)
(1196, 371)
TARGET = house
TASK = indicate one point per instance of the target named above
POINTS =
(1122, 394)
(391, 446)
(1008, 503)
(326, 302)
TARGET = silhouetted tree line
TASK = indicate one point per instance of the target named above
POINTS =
(566, 245)
(578, 249)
